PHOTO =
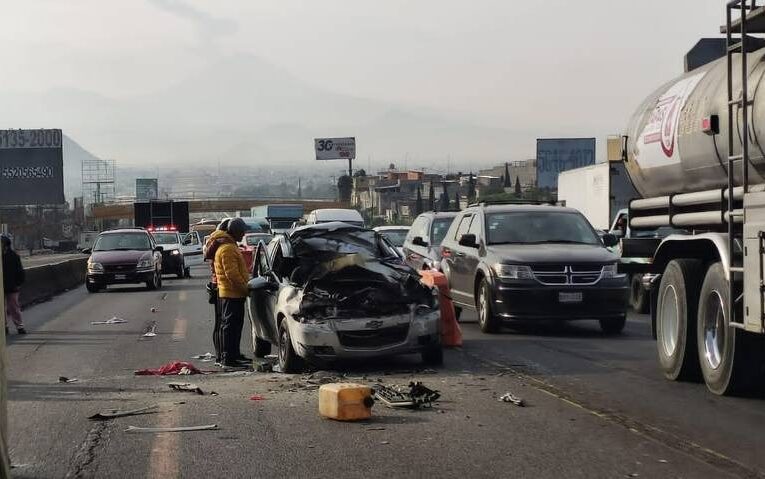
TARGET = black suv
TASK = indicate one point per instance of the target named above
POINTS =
(422, 246)
(124, 256)
(533, 262)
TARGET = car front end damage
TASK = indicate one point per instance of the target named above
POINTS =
(351, 305)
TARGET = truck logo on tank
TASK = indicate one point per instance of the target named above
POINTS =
(659, 136)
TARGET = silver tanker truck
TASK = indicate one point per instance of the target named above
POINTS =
(695, 151)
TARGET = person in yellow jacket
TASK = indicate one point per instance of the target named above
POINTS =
(232, 275)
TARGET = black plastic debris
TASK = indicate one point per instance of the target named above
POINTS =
(113, 413)
(414, 396)
(64, 379)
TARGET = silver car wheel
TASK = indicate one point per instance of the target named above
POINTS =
(669, 323)
(714, 329)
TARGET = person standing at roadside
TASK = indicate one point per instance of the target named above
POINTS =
(232, 275)
(13, 278)
(211, 247)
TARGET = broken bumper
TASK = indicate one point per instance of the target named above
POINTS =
(366, 337)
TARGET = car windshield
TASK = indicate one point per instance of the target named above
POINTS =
(253, 240)
(440, 227)
(396, 237)
(533, 227)
(282, 224)
(165, 238)
(123, 241)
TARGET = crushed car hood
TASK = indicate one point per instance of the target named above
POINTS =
(342, 273)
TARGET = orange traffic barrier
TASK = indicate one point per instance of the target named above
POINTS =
(451, 334)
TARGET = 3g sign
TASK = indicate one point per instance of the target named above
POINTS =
(335, 148)
(324, 145)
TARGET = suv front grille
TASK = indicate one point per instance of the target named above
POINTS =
(119, 268)
(577, 274)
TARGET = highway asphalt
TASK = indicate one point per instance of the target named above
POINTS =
(596, 406)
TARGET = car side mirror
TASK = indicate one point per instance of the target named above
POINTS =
(418, 241)
(469, 241)
(610, 239)
(87, 250)
(159, 249)
(258, 283)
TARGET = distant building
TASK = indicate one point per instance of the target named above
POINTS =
(524, 170)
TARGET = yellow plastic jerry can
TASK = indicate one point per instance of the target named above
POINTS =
(345, 401)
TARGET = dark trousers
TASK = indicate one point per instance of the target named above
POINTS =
(217, 343)
(231, 323)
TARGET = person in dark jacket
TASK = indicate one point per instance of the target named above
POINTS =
(13, 278)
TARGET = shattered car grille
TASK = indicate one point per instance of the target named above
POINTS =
(374, 338)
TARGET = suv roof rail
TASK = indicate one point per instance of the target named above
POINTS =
(516, 202)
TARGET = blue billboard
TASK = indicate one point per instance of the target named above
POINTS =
(561, 154)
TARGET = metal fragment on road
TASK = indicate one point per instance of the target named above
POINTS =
(64, 379)
(113, 320)
(509, 397)
(135, 429)
(205, 358)
(113, 413)
(186, 387)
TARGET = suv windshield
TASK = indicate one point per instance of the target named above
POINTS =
(253, 240)
(165, 238)
(440, 227)
(539, 227)
(122, 241)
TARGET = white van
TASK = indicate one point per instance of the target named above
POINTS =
(328, 215)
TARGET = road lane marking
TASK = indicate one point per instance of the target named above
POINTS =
(179, 329)
(648, 431)
(163, 462)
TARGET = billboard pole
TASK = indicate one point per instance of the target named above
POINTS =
(350, 167)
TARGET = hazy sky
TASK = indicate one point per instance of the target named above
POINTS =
(506, 63)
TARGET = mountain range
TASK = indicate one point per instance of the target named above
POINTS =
(242, 110)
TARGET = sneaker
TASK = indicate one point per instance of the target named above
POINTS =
(21, 331)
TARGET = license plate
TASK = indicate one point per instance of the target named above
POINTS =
(120, 276)
(569, 297)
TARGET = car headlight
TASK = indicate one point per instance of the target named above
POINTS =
(513, 271)
(610, 271)
(95, 267)
(175, 252)
(145, 263)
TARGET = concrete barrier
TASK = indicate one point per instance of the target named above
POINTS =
(44, 282)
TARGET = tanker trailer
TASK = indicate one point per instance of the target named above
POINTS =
(695, 151)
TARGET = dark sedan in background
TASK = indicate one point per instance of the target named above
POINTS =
(533, 262)
(124, 256)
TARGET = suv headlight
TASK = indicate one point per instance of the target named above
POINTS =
(513, 271)
(145, 263)
(175, 252)
(94, 267)
(610, 271)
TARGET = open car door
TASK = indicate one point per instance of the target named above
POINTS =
(191, 247)
(261, 302)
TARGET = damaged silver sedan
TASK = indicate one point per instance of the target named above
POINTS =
(335, 291)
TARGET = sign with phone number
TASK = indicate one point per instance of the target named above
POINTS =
(30, 139)
(31, 167)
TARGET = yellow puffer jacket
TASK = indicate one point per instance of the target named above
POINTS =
(231, 270)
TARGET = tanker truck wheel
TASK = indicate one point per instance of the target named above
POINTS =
(676, 319)
(728, 356)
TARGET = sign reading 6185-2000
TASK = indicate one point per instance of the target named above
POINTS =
(31, 167)
(30, 138)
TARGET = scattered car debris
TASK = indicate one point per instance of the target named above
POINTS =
(113, 320)
(375, 429)
(64, 379)
(153, 310)
(135, 429)
(113, 413)
(413, 396)
(170, 369)
(150, 330)
(186, 387)
(509, 397)
(205, 358)
(257, 397)
(385, 443)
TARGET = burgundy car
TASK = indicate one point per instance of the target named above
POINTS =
(124, 256)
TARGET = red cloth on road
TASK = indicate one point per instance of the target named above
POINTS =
(170, 369)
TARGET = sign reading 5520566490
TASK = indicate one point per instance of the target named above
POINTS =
(31, 167)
